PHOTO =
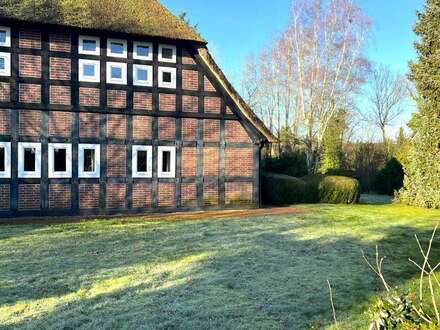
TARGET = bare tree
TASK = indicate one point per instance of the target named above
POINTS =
(386, 94)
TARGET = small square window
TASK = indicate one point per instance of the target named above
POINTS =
(142, 160)
(89, 160)
(60, 160)
(167, 53)
(5, 160)
(143, 51)
(167, 77)
(89, 45)
(89, 70)
(5, 64)
(117, 48)
(167, 162)
(29, 160)
(5, 36)
(142, 75)
(117, 73)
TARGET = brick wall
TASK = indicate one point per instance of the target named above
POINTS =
(116, 99)
(29, 122)
(4, 197)
(89, 97)
(142, 196)
(29, 197)
(5, 92)
(59, 95)
(239, 162)
(116, 161)
(59, 42)
(29, 93)
(60, 68)
(5, 127)
(211, 130)
(89, 125)
(59, 196)
(167, 128)
(210, 193)
(116, 195)
(116, 126)
(208, 85)
(234, 132)
(190, 103)
(60, 124)
(29, 66)
(189, 161)
(141, 127)
(167, 102)
(142, 101)
(211, 161)
(89, 196)
(165, 194)
(189, 129)
(29, 39)
(190, 80)
(189, 194)
(187, 58)
(238, 193)
(212, 104)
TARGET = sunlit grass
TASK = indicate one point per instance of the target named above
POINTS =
(247, 273)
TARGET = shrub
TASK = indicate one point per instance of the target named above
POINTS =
(291, 163)
(280, 189)
(312, 187)
(390, 178)
(343, 172)
(339, 190)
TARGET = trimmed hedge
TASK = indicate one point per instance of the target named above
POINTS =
(339, 190)
(281, 189)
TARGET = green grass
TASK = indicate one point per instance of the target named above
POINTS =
(255, 273)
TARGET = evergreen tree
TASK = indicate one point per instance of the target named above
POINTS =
(422, 180)
(331, 158)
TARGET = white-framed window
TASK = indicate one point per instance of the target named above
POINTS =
(166, 162)
(5, 64)
(142, 162)
(89, 70)
(142, 75)
(143, 51)
(89, 160)
(117, 48)
(5, 160)
(167, 77)
(5, 36)
(29, 160)
(60, 160)
(167, 53)
(117, 73)
(89, 45)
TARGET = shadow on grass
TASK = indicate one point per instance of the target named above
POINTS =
(256, 274)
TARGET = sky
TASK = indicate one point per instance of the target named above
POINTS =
(235, 29)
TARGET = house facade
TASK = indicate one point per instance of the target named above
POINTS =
(101, 122)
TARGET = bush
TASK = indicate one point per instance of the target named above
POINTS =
(291, 163)
(280, 189)
(343, 172)
(339, 190)
(390, 178)
(312, 187)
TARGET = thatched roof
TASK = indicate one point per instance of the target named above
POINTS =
(143, 17)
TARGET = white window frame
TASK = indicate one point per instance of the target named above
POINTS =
(136, 56)
(149, 173)
(7, 70)
(6, 174)
(60, 175)
(29, 174)
(119, 41)
(167, 60)
(123, 80)
(136, 81)
(172, 84)
(81, 50)
(97, 172)
(7, 42)
(172, 173)
(96, 77)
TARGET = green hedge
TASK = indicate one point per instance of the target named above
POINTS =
(280, 189)
(339, 190)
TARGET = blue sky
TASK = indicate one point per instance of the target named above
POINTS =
(237, 28)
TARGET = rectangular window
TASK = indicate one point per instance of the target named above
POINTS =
(5, 160)
(5, 36)
(89, 160)
(117, 73)
(167, 53)
(117, 48)
(89, 45)
(143, 51)
(166, 162)
(89, 70)
(142, 160)
(167, 77)
(142, 75)
(60, 160)
(5, 64)
(29, 160)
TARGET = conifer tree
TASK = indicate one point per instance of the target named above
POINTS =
(422, 179)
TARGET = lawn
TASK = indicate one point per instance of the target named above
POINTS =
(265, 272)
